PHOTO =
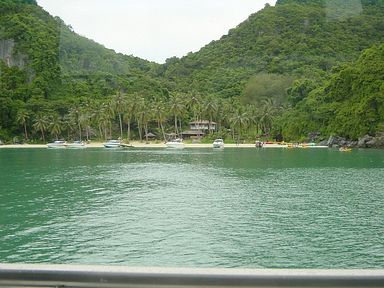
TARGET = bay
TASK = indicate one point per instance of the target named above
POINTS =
(240, 207)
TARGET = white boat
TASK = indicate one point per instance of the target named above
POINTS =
(112, 144)
(77, 145)
(218, 143)
(59, 144)
(175, 144)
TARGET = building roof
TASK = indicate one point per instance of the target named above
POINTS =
(203, 122)
(193, 132)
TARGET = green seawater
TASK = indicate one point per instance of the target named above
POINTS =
(247, 208)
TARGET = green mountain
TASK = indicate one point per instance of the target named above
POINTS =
(297, 38)
(46, 66)
(349, 104)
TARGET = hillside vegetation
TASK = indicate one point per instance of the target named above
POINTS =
(289, 70)
(297, 38)
(350, 103)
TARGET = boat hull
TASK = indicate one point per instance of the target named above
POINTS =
(175, 145)
(76, 146)
(112, 144)
(57, 145)
(218, 146)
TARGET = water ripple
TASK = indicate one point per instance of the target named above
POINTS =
(196, 208)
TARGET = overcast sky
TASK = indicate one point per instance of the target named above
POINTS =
(153, 29)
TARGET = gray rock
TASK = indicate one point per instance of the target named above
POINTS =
(336, 141)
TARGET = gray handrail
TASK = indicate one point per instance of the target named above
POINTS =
(31, 275)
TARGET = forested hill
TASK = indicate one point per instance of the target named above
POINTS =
(350, 103)
(298, 38)
(28, 25)
(48, 51)
(45, 66)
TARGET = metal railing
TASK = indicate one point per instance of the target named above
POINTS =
(20, 275)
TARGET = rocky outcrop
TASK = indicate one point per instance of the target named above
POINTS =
(8, 56)
(363, 142)
(371, 142)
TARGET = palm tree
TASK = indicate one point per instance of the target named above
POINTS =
(254, 117)
(74, 116)
(160, 114)
(85, 120)
(268, 111)
(130, 112)
(96, 117)
(105, 117)
(41, 123)
(140, 111)
(22, 118)
(210, 108)
(104, 123)
(118, 103)
(176, 107)
(239, 120)
(67, 125)
(194, 104)
(55, 125)
(147, 116)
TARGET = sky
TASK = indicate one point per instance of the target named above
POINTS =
(153, 29)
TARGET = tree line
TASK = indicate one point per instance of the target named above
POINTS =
(132, 117)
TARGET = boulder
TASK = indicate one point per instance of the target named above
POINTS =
(336, 141)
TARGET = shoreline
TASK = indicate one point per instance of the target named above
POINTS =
(136, 144)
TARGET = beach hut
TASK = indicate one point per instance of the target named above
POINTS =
(150, 136)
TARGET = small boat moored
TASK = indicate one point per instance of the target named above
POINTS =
(58, 144)
(76, 145)
(259, 144)
(218, 143)
(175, 144)
(112, 144)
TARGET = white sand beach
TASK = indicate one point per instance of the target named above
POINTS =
(133, 143)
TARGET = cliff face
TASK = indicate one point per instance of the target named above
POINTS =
(8, 56)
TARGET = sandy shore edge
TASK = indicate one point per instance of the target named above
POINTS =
(134, 144)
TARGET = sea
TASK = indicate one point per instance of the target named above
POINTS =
(196, 207)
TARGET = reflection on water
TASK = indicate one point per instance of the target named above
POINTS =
(193, 208)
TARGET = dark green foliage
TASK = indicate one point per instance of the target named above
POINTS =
(330, 2)
(267, 86)
(349, 104)
(304, 41)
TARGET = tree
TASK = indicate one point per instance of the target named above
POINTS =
(41, 123)
(239, 120)
(267, 111)
(160, 114)
(74, 117)
(140, 112)
(22, 118)
(210, 109)
(267, 86)
(176, 106)
(299, 90)
(194, 103)
(118, 104)
(129, 112)
(55, 125)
